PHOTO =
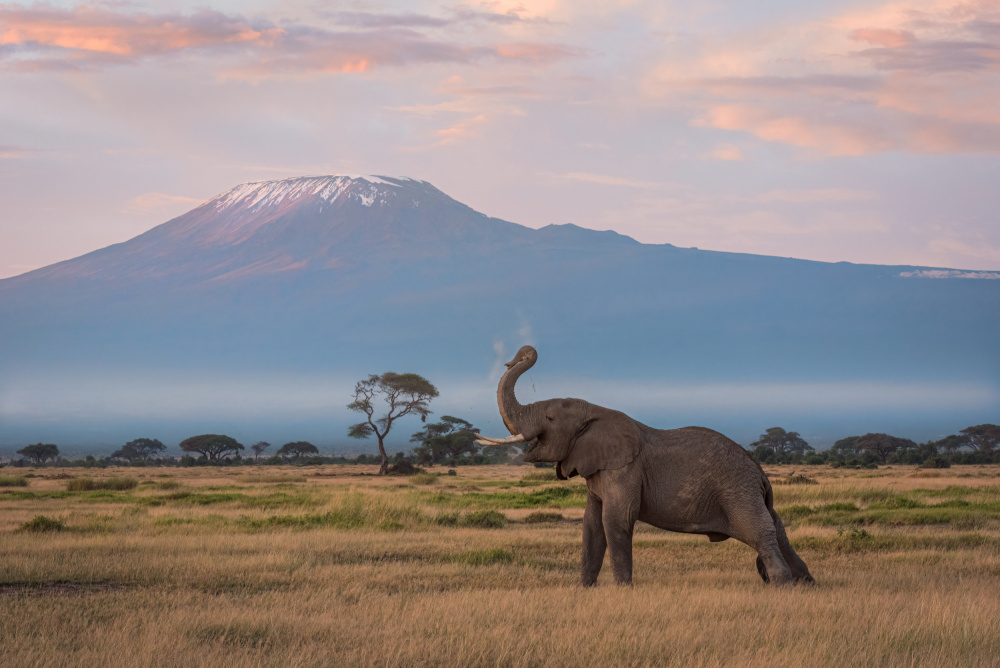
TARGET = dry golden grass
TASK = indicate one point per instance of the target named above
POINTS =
(331, 566)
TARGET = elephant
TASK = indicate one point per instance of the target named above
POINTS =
(690, 480)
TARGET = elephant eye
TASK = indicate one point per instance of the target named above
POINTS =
(549, 418)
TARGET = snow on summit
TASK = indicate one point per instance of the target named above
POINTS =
(257, 195)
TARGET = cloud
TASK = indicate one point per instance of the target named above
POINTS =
(468, 127)
(727, 152)
(43, 37)
(908, 77)
(151, 202)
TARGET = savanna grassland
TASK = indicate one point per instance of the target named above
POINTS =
(332, 566)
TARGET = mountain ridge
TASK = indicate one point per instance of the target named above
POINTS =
(343, 277)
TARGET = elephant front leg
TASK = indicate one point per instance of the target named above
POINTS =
(619, 522)
(594, 542)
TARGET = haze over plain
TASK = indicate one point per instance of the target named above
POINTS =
(834, 131)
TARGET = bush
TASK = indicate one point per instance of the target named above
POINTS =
(936, 463)
(542, 516)
(42, 523)
(89, 484)
(404, 467)
(452, 472)
(13, 481)
(486, 519)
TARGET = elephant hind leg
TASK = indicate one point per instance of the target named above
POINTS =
(757, 530)
(800, 572)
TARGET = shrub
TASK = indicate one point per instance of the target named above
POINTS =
(447, 519)
(404, 467)
(486, 519)
(452, 472)
(89, 484)
(13, 481)
(936, 463)
(543, 516)
(42, 523)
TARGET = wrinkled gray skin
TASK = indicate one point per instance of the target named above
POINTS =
(691, 480)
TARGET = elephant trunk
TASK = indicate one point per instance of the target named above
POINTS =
(510, 410)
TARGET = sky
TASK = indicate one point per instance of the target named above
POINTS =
(826, 130)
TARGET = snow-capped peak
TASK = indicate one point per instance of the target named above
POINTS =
(256, 195)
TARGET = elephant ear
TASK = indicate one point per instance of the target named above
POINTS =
(610, 440)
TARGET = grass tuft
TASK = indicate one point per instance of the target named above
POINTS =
(41, 523)
(486, 519)
(13, 481)
(424, 478)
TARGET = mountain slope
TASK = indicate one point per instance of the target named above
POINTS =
(340, 277)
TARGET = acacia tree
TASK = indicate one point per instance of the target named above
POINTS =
(883, 445)
(39, 453)
(983, 437)
(140, 448)
(446, 440)
(298, 448)
(403, 394)
(211, 446)
(782, 441)
(259, 447)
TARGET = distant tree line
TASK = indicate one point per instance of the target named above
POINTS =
(979, 444)
(451, 442)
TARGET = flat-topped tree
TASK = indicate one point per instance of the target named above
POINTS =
(39, 453)
(211, 446)
(140, 448)
(403, 394)
(296, 449)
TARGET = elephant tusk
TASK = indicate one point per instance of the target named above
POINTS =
(486, 440)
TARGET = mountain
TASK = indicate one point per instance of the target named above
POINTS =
(281, 294)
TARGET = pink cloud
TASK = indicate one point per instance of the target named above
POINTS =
(43, 37)
(891, 79)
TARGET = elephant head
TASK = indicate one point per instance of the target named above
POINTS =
(581, 437)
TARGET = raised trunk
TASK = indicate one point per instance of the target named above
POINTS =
(510, 409)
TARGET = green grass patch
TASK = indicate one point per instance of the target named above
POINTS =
(91, 484)
(448, 519)
(13, 481)
(547, 475)
(42, 524)
(553, 497)
(355, 511)
(280, 478)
